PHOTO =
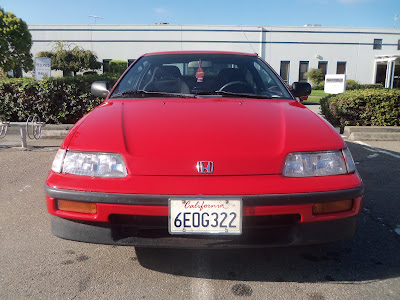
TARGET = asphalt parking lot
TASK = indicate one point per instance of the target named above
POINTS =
(36, 265)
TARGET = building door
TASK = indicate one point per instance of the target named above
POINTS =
(396, 78)
(381, 73)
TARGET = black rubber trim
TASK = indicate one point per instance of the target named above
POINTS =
(162, 200)
(299, 234)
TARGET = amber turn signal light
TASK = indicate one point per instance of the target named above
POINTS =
(332, 207)
(77, 206)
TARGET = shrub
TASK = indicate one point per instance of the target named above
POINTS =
(372, 86)
(316, 76)
(326, 110)
(352, 85)
(53, 100)
(319, 86)
(118, 66)
(367, 107)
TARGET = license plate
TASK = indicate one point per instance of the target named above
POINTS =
(205, 216)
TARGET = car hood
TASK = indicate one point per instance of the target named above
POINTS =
(169, 136)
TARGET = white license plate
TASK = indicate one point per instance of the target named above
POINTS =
(205, 216)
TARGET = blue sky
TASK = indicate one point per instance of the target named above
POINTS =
(348, 13)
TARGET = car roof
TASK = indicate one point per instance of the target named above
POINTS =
(205, 52)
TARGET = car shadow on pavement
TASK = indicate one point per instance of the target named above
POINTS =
(373, 253)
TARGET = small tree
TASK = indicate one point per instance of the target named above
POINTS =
(71, 59)
(15, 43)
(316, 76)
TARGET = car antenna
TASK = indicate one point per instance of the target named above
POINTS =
(248, 40)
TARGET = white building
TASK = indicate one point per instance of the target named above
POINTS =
(367, 55)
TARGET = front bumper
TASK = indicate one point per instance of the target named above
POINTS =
(298, 234)
(142, 220)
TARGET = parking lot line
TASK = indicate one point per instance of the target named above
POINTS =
(378, 149)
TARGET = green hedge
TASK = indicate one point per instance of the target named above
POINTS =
(368, 107)
(372, 86)
(352, 85)
(53, 100)
(118, 66)
(318, 87)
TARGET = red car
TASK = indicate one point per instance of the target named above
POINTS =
(200, 150)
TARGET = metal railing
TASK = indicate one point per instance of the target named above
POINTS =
(31, 128)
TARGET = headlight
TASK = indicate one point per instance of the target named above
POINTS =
(58, 160)
(351, 167)
(323, 163)
(89, 164)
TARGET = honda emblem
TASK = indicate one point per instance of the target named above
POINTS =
(205, 167)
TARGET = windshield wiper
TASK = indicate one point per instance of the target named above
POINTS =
(238, 95)
(143, 94)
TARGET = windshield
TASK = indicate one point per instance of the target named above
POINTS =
(200, 75)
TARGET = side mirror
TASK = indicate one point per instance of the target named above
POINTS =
(300, 89)
(100, 88)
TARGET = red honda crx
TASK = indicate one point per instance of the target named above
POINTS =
(203, 150)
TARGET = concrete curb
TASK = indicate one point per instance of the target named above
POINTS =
(372, 133)
(52, 131)
(365, 133)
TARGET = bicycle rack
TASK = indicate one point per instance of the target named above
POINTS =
(32, 127)
(3, 128)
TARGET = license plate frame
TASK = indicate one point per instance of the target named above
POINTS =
(197, 211)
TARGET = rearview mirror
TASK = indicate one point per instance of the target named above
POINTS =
(100, 88)
(204, 64)
(300, 89)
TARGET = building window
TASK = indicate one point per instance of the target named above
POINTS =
(398, 45)
(341, 67)
(377, 44)
(323, 66)
(285, 71)
(303, 71)
(106, 65)
(130, 61)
